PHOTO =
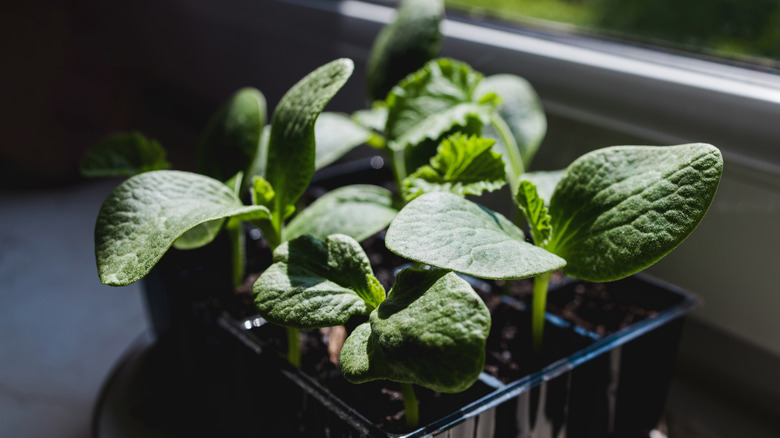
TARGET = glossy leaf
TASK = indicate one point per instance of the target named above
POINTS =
(434, 100)
(314, 283)
(359, 211)
(124, 154)
(463, 166)
(291, 147)
(618, 210)
(231, 139)
(431, 331)
(535, 212)
(336, 134)
(404, 45)
(374, 119)
(142, 218)
(444, 230)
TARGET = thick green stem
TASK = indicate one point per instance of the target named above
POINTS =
(293, 347)
(539, 303)
(238, 253)
(411, 408)
(516, 166)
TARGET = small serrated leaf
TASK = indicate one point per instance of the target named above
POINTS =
(444, 230)
(463, 165)
(232, 136)
(429, 103)
(291, 147)
(545, 182)
(336, 134)
(358, 211)
(144, 215)
(404, 45)
(620, 209)
(535, 212)
(431, 331)
(314, 284)
(124, 154)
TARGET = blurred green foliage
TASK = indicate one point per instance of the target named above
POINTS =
(743, 29)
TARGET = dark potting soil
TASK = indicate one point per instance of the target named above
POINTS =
(598, 308)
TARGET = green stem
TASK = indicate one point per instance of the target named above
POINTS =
(293, 347)
(411, 407)
(539, 303)
(516, 165)
(238, 253)
(399, 169)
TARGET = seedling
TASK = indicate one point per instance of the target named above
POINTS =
(430, 330)
(614, 212)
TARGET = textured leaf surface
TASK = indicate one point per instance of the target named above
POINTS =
(337, 134)
(314, 283)
(359, 211)
(463, 165)
(142, 218)
(291, 147)
(431, 331)
(404, 45)
(231, 139)
(522, 112)
(123, 154)
(618, 210)
(535, 212)
(447, 231)
(432, 101)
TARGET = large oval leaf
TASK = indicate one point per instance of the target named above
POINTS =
(231, 139)
(291, 147)
(314, 284)
(124, 154)
(142, 218)
(618, 210)
(404, 45)
(444, 230)
(431, 331)
(359, 211)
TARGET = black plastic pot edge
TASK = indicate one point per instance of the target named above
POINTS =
(477, 418)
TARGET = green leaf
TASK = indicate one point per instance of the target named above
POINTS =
(374, 119)
(337, 134)
(535, 212)
(522, 112)
(123, 154)
(231, 139)
(404, 45)
(545, 182)
(142, 218)
(206, 232)
(444, 230)
(314, 283)
(434, 100)
(291, 147)
(358, 211)
(463, 165)
(259, 163)
(431, 331)
(620, 209)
